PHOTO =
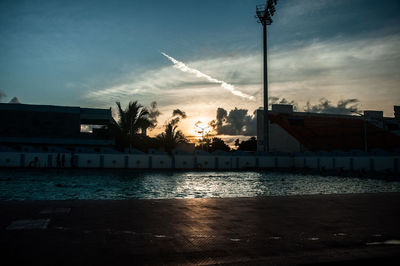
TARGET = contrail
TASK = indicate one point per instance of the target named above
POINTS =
(182, 67)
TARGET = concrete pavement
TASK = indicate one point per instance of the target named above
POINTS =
(291, 230)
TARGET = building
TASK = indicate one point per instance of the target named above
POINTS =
(28, 124)
(291, 131)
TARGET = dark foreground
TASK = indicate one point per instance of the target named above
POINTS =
(297, 230)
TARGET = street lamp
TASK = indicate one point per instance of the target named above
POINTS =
(264, 14)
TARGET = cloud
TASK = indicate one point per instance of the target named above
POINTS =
(366, 69)
(344, 107)
(177, 116)
(153, 115)
(178, 112)
(236, 122)
(184, 68)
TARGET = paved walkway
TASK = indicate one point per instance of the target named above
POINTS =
(253, 231)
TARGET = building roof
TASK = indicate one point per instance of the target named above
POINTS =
(334, 132)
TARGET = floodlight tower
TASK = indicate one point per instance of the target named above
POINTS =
(264, 15)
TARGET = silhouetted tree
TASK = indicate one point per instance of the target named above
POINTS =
(248, 145)
(133, 118)
(171, 137)
(237, 142)
(218, 144)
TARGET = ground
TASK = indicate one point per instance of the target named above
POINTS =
(283, 230)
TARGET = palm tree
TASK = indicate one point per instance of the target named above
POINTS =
(171, 137)
(131, 119)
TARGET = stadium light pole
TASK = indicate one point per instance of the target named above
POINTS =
(264, 14)
(365, 135)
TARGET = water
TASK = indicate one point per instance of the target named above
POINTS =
(117, 184)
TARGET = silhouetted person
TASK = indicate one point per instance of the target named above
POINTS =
(63, 161)
(72, 160)
(58, 161)
(34, 163)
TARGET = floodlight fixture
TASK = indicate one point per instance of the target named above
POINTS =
(265, 12)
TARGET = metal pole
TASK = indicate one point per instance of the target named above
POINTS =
(130, 139)
(365, 134)
(266, 123)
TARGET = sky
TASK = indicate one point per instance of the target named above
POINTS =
(198, 56)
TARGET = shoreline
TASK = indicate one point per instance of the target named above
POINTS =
(279, 230)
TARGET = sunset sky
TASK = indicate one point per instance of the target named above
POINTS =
(93, 53)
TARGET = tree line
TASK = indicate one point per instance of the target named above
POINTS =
(134, 120)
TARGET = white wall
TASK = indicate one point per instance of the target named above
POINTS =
(161, 161)
(361, 163)
(326, 162)
(383, 163)
(246, 161)
(225, 162)
(205, 161)
(342, 162)
(266, 161)
(298, 161)
(10, 159)
(139, 161)
(184, 161)
(279, 139)
(88, 160)
(311, 162)
(114, 161)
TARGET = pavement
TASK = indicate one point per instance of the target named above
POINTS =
(283, 230)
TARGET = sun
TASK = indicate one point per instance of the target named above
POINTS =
(201, 129)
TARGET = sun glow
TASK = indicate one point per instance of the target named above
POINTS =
(201, 129)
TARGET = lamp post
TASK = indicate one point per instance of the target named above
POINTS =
(264, 14)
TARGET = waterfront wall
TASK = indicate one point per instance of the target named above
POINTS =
(364, 163)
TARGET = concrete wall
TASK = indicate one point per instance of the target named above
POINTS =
(224, 162)
(10, 159)
(160, 161)
(87, 160)
(184, 161)
(114, 161)
(279, 139)
(140, 161)
(205, 162)
(266, 161)
(245, 162)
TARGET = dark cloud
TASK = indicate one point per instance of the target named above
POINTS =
(178, 112)
(177, 115)
(154, 113)
(277, 100)
(236, 122)
(239, 122)
(343, 107)
(2, 95)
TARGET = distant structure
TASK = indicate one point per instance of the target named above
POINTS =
(28, 124)
(264, 15)
(291, 131)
